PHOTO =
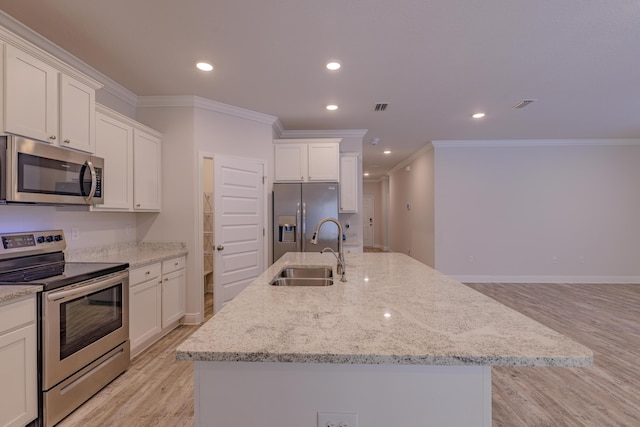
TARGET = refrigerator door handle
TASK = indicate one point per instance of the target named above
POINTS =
(304, 226)
(298, 224)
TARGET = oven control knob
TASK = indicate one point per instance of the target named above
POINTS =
(49, 238)
(40, 239)
(57, 237)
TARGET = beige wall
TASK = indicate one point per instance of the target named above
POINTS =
(411, 207)
(538, 211)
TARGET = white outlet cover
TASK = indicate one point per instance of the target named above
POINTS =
(337, 419)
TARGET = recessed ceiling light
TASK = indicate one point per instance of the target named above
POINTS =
(478, 115)
(333, 65)
(387, 151)
(204, 66)
(332, 107)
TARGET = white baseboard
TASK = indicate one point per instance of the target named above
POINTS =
(191, 319)
(546, 279)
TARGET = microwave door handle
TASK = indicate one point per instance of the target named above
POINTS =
(94, 181)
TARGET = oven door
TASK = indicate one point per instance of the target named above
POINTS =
(82, 322)
(42, 173)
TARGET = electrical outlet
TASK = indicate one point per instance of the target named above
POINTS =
(554, 260)
(75, 233)
(337, 419)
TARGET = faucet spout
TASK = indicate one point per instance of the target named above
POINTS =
(340, 255)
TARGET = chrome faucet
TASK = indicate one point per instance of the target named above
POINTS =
(340, 255)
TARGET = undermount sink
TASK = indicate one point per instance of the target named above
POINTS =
(303, 276)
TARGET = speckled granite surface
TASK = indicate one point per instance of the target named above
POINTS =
(431, 320)
(9, 292)
(136, 254)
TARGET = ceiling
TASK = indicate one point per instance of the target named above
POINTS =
(435, 62)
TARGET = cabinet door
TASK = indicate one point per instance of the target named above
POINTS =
(31, 96)
(114, 143)
(77, 115)
(290, 162)
(324, 161)
(349, 184)
(18, 367)
(173, 289)
(144, 313)
(146, 172)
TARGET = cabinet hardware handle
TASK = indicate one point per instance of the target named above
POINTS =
(147, 272)
(138, 205)
(67, 141)
(52, 137)
(166, 279)
(176, 264)
(219, 247)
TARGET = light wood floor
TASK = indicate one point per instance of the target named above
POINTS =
(605, 318)
(157, 390)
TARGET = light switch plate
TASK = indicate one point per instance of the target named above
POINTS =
(337, 419)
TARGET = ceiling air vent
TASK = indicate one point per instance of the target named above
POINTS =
(381, 106)
(524, 103)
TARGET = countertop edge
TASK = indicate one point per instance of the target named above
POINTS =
(13, 292)
(359, 359)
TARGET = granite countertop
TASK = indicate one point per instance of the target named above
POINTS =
(392, 310)
(9, 292)
(136, 254)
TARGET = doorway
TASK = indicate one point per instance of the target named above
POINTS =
(368, 221)
(233, 244)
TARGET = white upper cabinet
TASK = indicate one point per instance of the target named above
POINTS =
(114, 143)
(147, 156)
(132, 162)
(45, 104)
(31, 96)
(349, 183)
(304, 160)
(77, 115)
(290, 162)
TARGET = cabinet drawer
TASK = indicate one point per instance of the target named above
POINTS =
(143, 274)
(17, 314)
(173, 265)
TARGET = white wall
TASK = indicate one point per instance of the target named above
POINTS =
(96, 228)
(411, 207)
(505, 211)
(187, 132)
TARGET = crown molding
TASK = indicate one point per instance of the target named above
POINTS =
(340, 133)
(17, 34)
(421, 152)
(535, 143)
(205, 104)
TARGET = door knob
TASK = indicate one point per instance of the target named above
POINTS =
(219, 247)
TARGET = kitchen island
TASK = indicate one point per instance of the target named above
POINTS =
(398, 344)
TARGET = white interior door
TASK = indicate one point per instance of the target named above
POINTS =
(238, 226)
(368, 221)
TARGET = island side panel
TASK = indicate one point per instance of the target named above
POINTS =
(291, 394)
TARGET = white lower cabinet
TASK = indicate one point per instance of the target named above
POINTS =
(173, 290)
(145, 305)
(156, 301)
(18, 367)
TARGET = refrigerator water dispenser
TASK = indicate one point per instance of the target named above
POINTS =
(287, 228)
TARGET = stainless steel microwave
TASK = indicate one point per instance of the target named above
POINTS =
(36, 172)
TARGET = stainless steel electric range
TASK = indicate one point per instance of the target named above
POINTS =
(83, 319)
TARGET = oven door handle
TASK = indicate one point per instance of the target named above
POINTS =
(87, 289)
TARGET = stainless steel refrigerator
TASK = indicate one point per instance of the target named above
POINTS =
(297, 208)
